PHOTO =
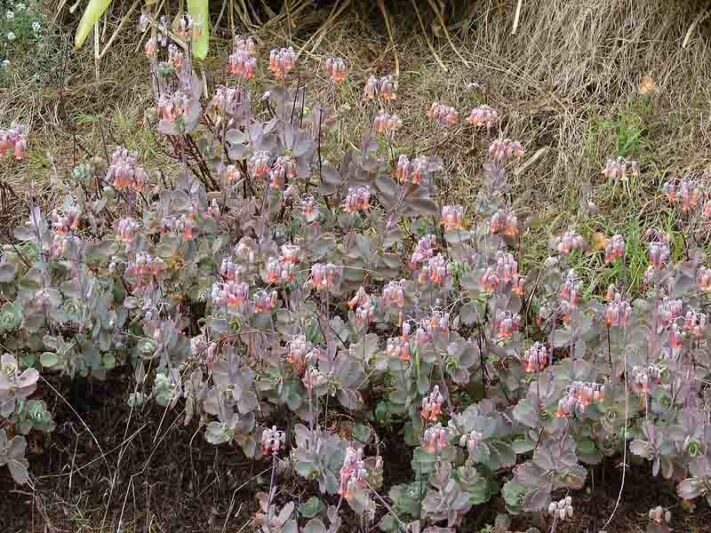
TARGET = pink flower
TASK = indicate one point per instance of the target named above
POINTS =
(386, 123)
(578, 396)
(13, 140)
(357, 199)
(683, 191)
(258, 164)
(244, 44)
(615, 248)
(231, 174)
(124, 172)
(695, 323)
(272, 441)
(444, 115)
(502, 149)
(505, 223)
(174, 108)
(667, 312)
(229, 270)
(643, 377)
(324, 276)
(144, 268)
(309, 208)
(619, 168)
(420, 169)
(399, 346)
(383, 87)
(363, 305)
(279, 271)
(186, 28)
(506, 324)
(231, 294)
(150, 47)
(618, 311)
(393, 294)
(336, 68)
(703, 279)
(568, 242)
(176, 58)
(435, 438)
(431, 408)
(435, 271)
(387, 88)
(483, 116)
(658, 254)
(281, 61)
(126, 230)
(65, 220)
(291, 253)
(228, 99)
(423, 251)
(452, 217)
(402, 170)
(352, 473)
(537, 358)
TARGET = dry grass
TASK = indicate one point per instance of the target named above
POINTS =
(567, 85)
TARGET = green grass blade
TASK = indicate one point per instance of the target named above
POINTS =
(200, 13)
(91, 16)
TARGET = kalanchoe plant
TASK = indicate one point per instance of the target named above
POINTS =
(281, 282)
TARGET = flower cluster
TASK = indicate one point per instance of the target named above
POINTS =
(336, 69)
(568, 242)
(443, 115)
(505, 223)
(435, 271)
(483, 116)
(660, 515)
(124, 173)
(504, 273)
(685, 192)
(324, 276)
(13, 141)
(386, 123)
(502, 149)
(618, 311)
(352, 474)
(536, 358)
(435, 438)
(578, 397)
(279, 270)
(431, 408)
(620, 168)
(562, 509)
(614, 248)
(642, 378)
(414, 171)
(126, 230)
(506, 324)
(242, 61)
(383, 87)
(452, 217)
(281, 61)
(145, 268)
(357, 199)
(272, 441)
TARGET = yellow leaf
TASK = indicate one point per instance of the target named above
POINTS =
(599, 241)
(646, 85)
(200, 13)
(91, 16)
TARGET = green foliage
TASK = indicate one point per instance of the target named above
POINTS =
(258, 285)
